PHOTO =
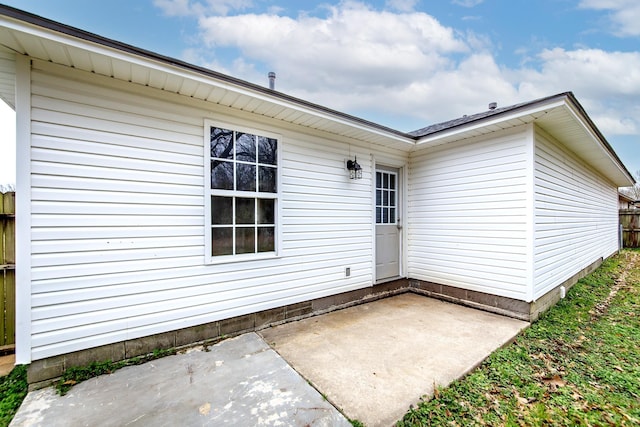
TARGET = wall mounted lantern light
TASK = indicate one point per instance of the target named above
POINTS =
(355, 170)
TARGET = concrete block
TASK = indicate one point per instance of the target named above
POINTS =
(237, 324)
(112, 352)
(299, 309)
(427, 286)
(145, 345)
(267, 317)
(339, 299)
(198, 333)
(482, 298)
(454, 292)
(392, 286)
(45, 369)
(510, 304)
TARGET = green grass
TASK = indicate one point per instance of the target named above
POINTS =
(13, 389)
(579, 365)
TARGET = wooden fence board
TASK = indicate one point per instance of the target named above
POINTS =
(7, 269)
(630, 222)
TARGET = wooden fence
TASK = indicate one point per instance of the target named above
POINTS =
(7, 269)
(630, 224)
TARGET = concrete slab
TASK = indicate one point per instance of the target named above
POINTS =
(374, 360)
(239, 382)
(7, 362)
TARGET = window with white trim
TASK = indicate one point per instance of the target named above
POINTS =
(242, 194)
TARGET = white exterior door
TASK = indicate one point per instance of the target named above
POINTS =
(387, 213)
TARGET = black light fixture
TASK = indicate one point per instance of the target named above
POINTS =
(355, 170)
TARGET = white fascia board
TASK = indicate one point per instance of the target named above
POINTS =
(601, 147)
(538, 111)
(116, 54)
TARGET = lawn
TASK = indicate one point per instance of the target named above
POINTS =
(579, 365)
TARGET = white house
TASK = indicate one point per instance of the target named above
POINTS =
(160, 203)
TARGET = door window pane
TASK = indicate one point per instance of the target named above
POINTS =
(379, 179)
(392, 216)
(378, 215)
(392, 198)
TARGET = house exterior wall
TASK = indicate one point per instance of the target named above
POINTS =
(576, 215)
(468, 217)
(8, 75)
(117, 208)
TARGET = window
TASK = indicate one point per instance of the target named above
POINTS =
(242, 193)
(386, 197)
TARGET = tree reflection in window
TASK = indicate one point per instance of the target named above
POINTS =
(242, 163)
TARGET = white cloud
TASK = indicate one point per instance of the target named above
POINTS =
(624, 15)
(402, 5)
(381, 65)
(347, 56)
(607, 83)
(467, 3)
(197, 8)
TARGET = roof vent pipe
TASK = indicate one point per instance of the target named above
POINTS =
(272, 80)
(493, 105)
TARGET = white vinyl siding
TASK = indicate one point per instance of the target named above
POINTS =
(118, 216)
(8, 77)
(468, 214)
(576, 215)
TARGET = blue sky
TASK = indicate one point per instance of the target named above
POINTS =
(402, 63)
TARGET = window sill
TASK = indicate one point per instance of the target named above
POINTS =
(232, 259)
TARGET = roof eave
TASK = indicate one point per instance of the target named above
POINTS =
(37, 26)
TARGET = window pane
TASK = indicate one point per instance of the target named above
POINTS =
(221, 210)
(221, 241)
(378, 180)
(385, 198)
(266, 211)
(385, 180)
(392, 198)
(266, 239)
(245, 211)
(378, 215)
(267, 179)
(221, 143)
(378, 197)
(392, 215)
(245, 240)
(221, 175)
(245, 147)
(392, 181)
(245, 177)
(385, 215)
(267, 150)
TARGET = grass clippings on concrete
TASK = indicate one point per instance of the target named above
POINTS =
(578, 365)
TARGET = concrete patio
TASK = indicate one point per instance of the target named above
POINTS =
(369, 361)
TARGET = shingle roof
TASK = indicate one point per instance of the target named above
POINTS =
(439, 127)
